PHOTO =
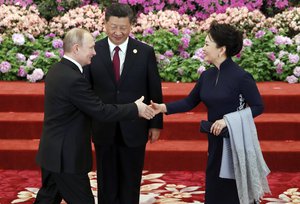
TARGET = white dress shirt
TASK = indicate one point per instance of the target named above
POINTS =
(122, 52)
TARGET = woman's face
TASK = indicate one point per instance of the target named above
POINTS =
(211, 51)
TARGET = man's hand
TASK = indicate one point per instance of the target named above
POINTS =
(217, 127)
(158, 108)
(145, 111)
(153, 134)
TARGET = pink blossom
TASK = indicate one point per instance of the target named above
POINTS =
(169, 53)
(36, 75)
(199, 54)
(61, 52)
(30, 37)
(260, 34)
(60, 8)
(279, 68)
(50, 35)
(185, 42)
(96, 33)
(272, 56)
(49, 54)
(22, 72)
(291, 79)
(29, 63)
(294, 59)
(1, 39)
(184, 54)
(57, 43)
(21, 57)
(33, 57)
(281, 3)
(201, 69)
(247, 42)
(18, 39)
(186, 31)
(282, 40)
(273, 30)
(5, 67)
(175, 31)
(297, 71)
(148, 31)
(282, 53)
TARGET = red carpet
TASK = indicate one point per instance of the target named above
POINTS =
(172, 187)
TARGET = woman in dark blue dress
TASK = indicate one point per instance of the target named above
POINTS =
(224, 88)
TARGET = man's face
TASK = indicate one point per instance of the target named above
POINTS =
(86, 51)
(118, 29)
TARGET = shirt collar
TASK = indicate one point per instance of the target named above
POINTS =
(123, 46)
(75, 62)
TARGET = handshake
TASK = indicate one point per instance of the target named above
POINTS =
(149, 111)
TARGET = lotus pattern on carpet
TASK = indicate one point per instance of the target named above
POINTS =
(174, 187)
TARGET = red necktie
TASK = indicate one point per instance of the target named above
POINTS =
(116, 63)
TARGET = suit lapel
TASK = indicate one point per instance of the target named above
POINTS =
(104, 54)
(131, 54)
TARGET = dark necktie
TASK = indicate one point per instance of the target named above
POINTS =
(116, 63)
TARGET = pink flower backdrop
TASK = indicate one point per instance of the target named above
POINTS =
(30, 41)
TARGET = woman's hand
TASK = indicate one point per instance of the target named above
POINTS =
(217, 127)
(158, 107)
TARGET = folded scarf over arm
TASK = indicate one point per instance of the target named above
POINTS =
(248, 165)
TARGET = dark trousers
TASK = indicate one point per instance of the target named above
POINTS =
(119, 172)
(73, 188)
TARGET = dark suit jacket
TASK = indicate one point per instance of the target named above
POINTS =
(139, 77)
(65, 144)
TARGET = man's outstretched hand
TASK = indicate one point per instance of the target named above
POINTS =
(145, 111)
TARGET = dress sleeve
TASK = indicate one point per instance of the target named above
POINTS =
(251, 94)
(187, 103)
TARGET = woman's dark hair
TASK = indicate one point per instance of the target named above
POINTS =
(119, 10)
(228, 36)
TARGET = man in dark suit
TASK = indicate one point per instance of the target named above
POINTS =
(119, 76)
(65, 153)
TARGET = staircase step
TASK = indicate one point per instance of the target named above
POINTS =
(162, 156)
(279, 97)
(183, 126)
(270, 126)
(21, 125)
(21, 96)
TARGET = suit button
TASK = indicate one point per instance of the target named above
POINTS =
(118, 92)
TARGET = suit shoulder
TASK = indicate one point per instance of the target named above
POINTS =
(101, 42)
(141, 44)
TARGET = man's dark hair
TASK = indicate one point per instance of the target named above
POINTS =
(120, 11)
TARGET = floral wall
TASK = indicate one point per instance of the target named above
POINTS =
(31, 34)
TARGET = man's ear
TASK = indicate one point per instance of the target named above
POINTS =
(75, 48)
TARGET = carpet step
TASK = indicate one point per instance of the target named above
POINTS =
(163, 155)
(183, 126)
(279, 97)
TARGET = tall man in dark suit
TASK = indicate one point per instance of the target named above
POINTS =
(123, 69)
(65, 153)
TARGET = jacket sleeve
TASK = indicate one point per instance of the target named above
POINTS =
(82, 96)
(251, 94)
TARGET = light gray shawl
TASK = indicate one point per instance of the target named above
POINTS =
(246, 164)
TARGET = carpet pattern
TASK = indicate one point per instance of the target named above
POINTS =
(172, 187)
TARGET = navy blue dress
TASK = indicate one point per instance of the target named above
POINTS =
(223, 91)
